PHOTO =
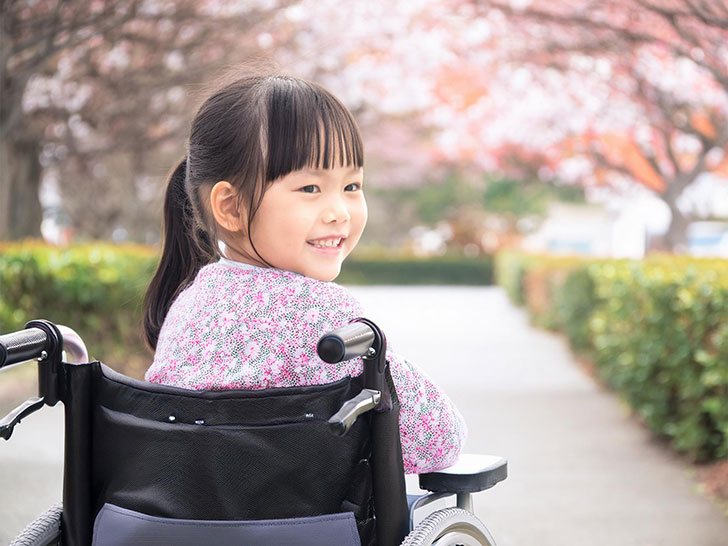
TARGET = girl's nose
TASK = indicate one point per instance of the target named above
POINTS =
(336, 212)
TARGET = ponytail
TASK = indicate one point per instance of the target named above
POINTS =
(187, 247)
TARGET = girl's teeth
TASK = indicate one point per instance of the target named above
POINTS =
(329, 243)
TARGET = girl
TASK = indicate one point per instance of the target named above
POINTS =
(259, 217)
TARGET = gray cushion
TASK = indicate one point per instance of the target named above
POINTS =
(115, 526)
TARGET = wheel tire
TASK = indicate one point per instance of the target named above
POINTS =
(44, 531)
(450, 527)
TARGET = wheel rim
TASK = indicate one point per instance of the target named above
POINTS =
(461, 535)
(450, 527)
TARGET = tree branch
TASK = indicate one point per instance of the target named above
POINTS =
(54, 27)
(602, 160)
(571, 20)
(31, 65)
(666, 137)
(593, 41)
(698, 168)
(701, 13)
(649, 156)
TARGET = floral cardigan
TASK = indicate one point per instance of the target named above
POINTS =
(238, 326)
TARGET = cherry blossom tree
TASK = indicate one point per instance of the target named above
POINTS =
(665, 62)
(610, 92)
(91, 89)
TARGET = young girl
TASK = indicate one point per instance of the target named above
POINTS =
(259, 217)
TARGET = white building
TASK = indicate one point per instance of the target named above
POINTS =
(621, 225)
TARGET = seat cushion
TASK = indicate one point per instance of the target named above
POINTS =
(116, 526)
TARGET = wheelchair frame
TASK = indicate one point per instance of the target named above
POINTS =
(58, 347)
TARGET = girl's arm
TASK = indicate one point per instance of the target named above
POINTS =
(431, 428)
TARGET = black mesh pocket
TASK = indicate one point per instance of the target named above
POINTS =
(215, 460)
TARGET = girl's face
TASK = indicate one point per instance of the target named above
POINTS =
(310, 220)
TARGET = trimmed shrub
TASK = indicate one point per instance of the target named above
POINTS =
(656, 329)
(536, 281)
(96, 289)
(420, 271)
(510, 271)
(574, 302)
(660, 338)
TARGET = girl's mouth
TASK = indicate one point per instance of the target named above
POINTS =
(327, 244)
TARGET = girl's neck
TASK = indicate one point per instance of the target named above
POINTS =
(236, 257)
(229, 253)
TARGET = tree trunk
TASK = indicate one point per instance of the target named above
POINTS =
(20, 175)
(676, 236)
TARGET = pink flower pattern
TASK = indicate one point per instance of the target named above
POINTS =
(244, 327)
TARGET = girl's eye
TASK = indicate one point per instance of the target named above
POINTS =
(310, 189)
(353, 187)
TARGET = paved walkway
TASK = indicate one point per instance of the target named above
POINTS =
(582, 472)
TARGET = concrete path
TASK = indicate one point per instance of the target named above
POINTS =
(582, 472)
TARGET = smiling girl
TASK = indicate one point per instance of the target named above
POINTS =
(259, 217)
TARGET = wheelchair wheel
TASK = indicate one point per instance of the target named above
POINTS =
(44, 531)
(450, 527)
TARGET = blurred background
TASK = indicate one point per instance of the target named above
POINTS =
(572, 152)
(590, 127)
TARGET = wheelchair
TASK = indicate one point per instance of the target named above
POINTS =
(152, 464)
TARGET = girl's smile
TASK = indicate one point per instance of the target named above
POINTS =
(328, 245)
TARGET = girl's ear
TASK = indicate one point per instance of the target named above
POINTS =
(224, 205)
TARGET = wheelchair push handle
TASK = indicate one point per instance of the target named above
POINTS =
(42, 340)
(49, 344)
(349, 341)
(360, 338)
(21, 346)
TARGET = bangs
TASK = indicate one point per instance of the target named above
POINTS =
(308, 128)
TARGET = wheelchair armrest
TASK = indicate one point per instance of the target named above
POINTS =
(470, 474)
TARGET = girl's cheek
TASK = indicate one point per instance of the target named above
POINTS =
(363, 210)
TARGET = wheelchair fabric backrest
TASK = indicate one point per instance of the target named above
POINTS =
(214, 455)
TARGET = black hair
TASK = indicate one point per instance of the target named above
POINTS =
(250, 132)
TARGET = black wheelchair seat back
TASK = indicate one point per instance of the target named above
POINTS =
(152, 455)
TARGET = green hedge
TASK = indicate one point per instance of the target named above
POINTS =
(574, 303)
(510, 270)
(96, 289)
(536, 282)
(657, 331)
(660, 337)
(404, 271)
